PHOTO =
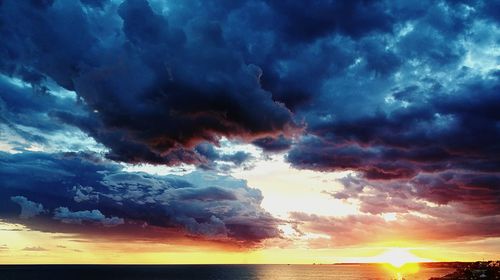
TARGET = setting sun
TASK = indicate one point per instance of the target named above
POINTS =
(398, 257)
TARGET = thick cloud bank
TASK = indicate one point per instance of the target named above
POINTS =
(70, 192)
(153, 87)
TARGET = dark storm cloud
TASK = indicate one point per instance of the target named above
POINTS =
(271, 144)
(457, 130)
(395, 127)
(161, 82)
(388, 127)
(94, 3)
(29, 209)
(216, 160)
(320, 18)
(413, 117)
(157, 85)
(79, 189)
(475, 194)
(65, 215)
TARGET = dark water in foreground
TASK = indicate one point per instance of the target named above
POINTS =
(209, 272)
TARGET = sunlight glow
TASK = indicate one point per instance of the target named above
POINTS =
(398, 257)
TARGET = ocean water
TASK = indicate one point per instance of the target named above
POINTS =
(209, 272)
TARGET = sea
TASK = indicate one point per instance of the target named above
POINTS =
(212, 272)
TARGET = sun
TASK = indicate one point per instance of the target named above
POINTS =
(398, 257)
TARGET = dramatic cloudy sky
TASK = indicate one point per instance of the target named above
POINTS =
(248, 131)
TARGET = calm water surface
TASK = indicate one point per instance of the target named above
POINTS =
(209, 272)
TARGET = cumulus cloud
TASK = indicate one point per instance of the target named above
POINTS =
(29, 209)
(66, 216)
(199, 204)
(84, 193)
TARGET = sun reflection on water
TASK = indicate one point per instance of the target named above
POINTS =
(400, 271)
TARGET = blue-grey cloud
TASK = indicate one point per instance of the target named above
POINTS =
(221, 161)
(26, 117)
(466, 193)
(29, 209)
(236, 69)
(271, 144)
(157, 61)
(65, 215)
(426, 121)
(81, 191)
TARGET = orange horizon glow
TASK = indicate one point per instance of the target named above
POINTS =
(65, 249)
(398, 257)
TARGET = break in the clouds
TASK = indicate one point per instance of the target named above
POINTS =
(403, 93)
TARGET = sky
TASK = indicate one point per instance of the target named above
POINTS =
(249, 131)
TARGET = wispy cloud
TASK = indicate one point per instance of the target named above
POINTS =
(34, 249)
